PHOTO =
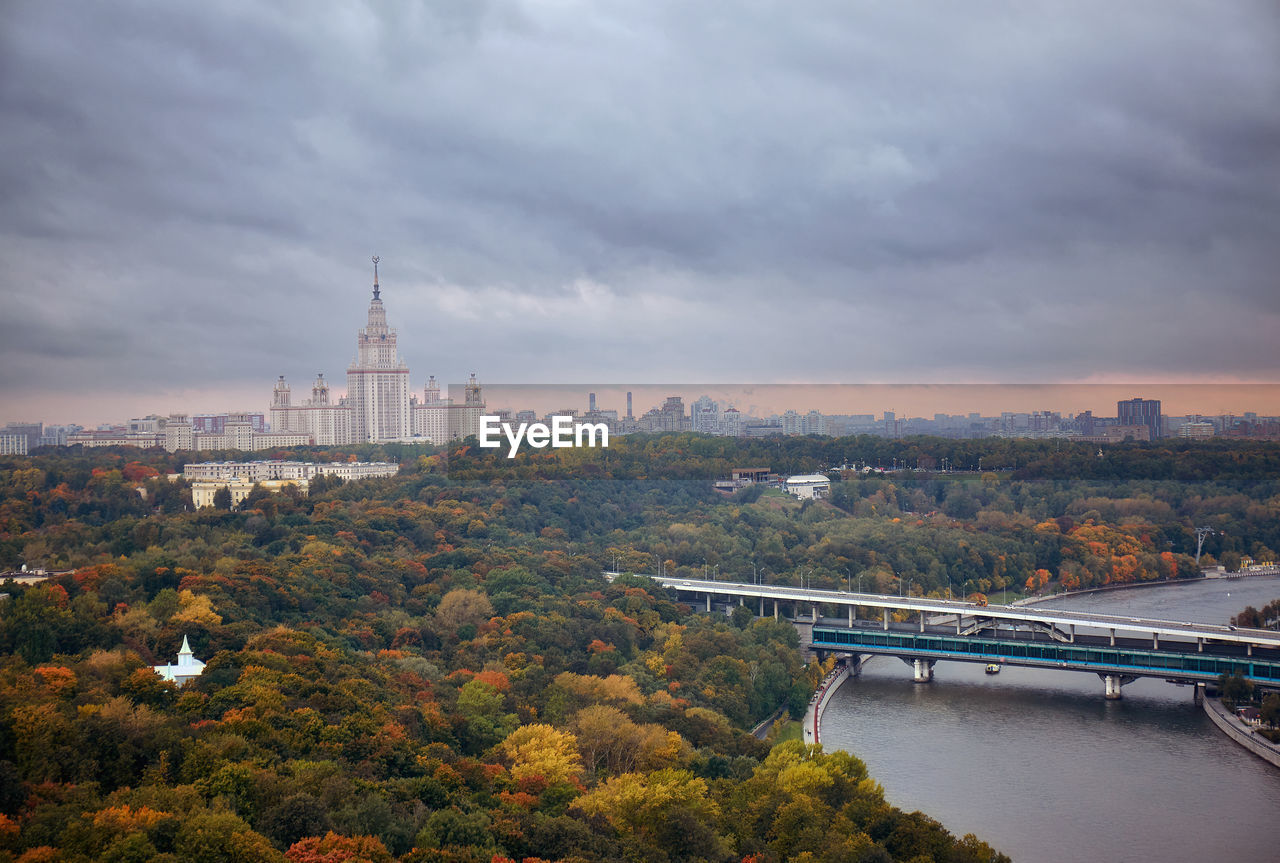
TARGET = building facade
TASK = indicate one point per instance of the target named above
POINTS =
(13, 444)
(438, 420)
(278, 469)
(813, 486)
(179, 432)
(378, 380)
(240, 477)
(327, 423)
(1140, 412)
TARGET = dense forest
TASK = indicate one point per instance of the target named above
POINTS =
(431, 667)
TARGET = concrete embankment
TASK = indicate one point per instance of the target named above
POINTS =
(1240, 732)
(818, 703)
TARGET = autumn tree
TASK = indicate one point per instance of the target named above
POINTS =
(670, 809)
(541, 750)
(332, 848)
(460, 611)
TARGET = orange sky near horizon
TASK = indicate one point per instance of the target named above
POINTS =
(907, 400)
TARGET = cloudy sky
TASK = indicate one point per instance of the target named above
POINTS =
(651, 190)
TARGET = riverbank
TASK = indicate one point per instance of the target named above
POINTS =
(813, 713)
(1241, 733)
(1205, 575)
(1107, 588)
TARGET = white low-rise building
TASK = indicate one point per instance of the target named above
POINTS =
(203, 491)
(239, 477)
(279, 469)
(809, 486)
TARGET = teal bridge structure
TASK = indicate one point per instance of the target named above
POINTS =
(1117, 648)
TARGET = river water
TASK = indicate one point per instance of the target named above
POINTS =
(1038, 764)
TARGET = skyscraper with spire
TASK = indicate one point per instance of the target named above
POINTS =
(378, 380)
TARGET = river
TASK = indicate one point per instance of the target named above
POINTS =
(1037, 763)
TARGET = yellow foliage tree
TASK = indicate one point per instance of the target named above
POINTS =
(609, 741)
(195, 609)
(540, 750)
(640, 804)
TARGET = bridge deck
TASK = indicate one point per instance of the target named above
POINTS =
(1151, 628)
(1182, 662)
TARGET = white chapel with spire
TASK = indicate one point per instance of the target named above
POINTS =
(187, 667)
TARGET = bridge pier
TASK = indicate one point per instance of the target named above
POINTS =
(885, 617)
(922, 670)
(775, 609)
(1111, 685)
(1197, 694)
(708, 603)
(851, 617)
(814, 609)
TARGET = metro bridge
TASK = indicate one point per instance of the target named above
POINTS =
(1117, 648)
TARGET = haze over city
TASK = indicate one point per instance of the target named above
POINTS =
(569, 192)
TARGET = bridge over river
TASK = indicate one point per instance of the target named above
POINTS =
(1119, 649)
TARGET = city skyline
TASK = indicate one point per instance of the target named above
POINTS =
(620, 192)
(764, 400)
(911, 403)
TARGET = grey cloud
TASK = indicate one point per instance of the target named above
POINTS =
(1007, 190)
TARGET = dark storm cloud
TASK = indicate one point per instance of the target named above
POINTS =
(929, 192)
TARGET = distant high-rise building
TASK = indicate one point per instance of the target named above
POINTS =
(57, 435)
(814, 423)
(378, 380)
(1198, 430)
(731, 422)
(30, 431)
(704, 415)
(630, 415)
(13, 444)
(1140, 412)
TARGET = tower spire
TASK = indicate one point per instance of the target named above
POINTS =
(375, 277)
